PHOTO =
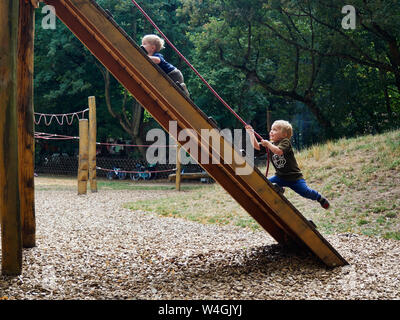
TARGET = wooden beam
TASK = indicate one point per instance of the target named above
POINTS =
(92, 144)
(34, 3)
(9, 192)
(178, 167)
(165, 101)
(26, 140)
(189, 176)
(83, 165)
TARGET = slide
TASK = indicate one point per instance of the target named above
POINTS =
(113, 47)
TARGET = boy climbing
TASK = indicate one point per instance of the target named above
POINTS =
(152, 44)
(282, 157)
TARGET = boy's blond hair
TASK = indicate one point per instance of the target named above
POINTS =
(154, 40)
(285, 126)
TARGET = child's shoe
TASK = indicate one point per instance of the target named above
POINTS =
(324, 202)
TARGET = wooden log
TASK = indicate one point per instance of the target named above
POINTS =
(26, 141)
(11, 241)
(83, 163)
(92, 144)
(189, 176)
(178, 168)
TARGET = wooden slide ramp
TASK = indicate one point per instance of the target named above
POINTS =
(110, 44)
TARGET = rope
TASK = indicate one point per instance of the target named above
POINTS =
(199, 75)
(146, 171)
(54, 136)
(56, 116)
(51, 136)
(133, 145)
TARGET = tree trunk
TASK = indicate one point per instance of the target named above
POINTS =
(137, 126)
(325, 123)
(132, 126)
(382, 76)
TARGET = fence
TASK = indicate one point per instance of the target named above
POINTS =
(59, 164)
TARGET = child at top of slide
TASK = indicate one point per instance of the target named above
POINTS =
(152, 44)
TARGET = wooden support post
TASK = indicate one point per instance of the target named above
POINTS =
(11, 241)
(35, 3)
(83, 166)
(26, 140)
(92, 144)
(178, 167)
(268, 120)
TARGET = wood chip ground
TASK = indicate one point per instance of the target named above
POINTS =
(90, 247)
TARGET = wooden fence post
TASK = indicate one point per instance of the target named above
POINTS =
(83, 163)
(268, 120)
(178, 167)
(11, 240)
(26, 140)
(92, 144)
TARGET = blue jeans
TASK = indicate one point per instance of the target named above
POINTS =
(299, 186)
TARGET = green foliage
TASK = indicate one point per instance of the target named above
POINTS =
(289, 57)
(297, 50)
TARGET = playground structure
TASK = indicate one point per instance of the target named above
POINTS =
(162, 98)
(87, 141)
(87, 150)
(87, 171)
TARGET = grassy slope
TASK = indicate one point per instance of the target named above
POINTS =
(360, 177)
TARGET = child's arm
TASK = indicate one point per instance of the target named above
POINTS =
(156, 60)
(253, 139)
(264, 143)
(273, 148)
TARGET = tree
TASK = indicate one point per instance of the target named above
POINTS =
(239, 37)
(64, 78)
(66, 73)
(298, 51)
(127, 111)
(373, 45)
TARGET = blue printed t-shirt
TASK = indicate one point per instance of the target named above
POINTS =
(164, 65)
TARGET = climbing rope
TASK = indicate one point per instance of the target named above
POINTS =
(134, 145)
(198, 74)
(52, 136)
(69, 117)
